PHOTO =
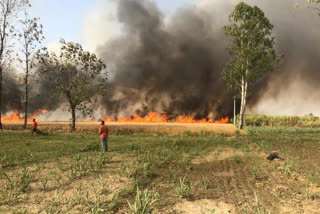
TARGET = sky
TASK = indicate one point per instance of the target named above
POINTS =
(78, 20)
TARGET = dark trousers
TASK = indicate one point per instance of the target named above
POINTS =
(104, 143)
(35, 130)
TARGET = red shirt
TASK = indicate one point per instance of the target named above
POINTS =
(34, 125)
(103, 131)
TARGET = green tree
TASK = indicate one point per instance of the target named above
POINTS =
(31, 36)
(9, 10)
(315, 4)
(76, 74)
(251, 50)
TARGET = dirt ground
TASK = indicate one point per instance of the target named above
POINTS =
(226, 174)
(232, 186)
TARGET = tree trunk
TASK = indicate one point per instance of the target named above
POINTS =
(234, 112)
(25, 113)
(244, 88)
(26, 95)
(241, 105)
(73, 111)
(0, 95)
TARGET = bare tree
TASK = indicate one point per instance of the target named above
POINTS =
(31, 36)
(9, 10)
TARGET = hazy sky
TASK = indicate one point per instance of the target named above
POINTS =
(76, 20)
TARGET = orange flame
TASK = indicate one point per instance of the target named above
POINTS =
(15, 116)
(153, 117)
(223, 120)
(43, 111)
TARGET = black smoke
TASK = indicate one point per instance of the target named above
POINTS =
(11, 92)
(158, 66)
(175, 64)
(40, 93)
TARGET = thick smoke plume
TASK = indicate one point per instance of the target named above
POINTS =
(170, 66)
(175, 65)
(39, 93)
(11, 92)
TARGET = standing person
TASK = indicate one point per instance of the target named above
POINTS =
(34, 126)
(103, 131)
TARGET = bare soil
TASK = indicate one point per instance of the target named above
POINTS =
(232, 185)
(236, 171)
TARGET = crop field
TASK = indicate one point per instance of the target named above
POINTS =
(159, 173)
(127, 128)
(282, 121)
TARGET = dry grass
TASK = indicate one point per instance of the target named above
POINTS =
(115, 127)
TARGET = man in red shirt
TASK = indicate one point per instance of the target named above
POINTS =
(103, 131)
(34, 126)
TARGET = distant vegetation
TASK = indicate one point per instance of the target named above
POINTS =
(282, 121)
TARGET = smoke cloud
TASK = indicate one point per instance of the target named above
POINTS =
(174, 63)
(170, 66)
(11, 92)
(40, 96)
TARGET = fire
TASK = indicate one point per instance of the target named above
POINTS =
(153, 117)
(15, 116)
(223, 120)
(42, 111)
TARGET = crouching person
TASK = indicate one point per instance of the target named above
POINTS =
(103, 131)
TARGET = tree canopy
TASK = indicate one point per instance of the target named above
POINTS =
(76, 74)
(252, 51)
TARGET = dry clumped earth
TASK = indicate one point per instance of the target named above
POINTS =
(234, 186)
(231, 185)
(61, 188)
(236, 171)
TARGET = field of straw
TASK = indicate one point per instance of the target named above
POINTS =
(122, 128)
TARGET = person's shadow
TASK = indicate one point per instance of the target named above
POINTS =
(42, 133)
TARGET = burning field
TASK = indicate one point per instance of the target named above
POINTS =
(15, 116)
(158, 84)
(133, 127)
(152, 123)
(174, 65)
